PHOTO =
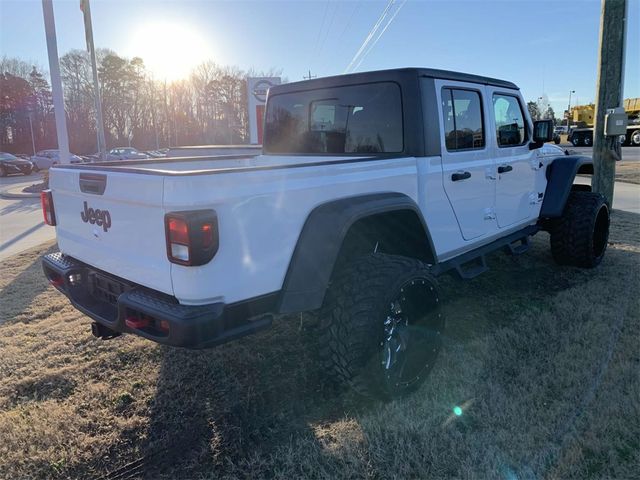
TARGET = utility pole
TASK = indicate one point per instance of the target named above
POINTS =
(309, 77)
(56, 81)
(609, 94)
(569, 109)
(88, 30)
(33, 141)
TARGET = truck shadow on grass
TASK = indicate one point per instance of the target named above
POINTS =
(213, 407)
(18, 294)
(524, 359)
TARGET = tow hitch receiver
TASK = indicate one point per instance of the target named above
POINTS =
(103, 332)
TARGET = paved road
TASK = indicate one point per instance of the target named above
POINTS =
(629, 154)
(21, 223)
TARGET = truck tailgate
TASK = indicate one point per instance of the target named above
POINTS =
(115, 222)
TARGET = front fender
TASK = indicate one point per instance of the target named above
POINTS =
(560, 176)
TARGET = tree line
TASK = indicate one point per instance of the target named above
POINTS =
(208, 107)
(536, 112)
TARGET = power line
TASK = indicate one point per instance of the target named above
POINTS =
(381, 33)
(370, 35)
(324, 17)
(324, 38)
(348, 24)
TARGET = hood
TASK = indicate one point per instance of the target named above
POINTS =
(549, 150)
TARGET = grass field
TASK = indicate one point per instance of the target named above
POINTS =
(543, 361)
(628, 172)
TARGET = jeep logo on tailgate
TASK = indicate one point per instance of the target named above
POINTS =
(101, 218)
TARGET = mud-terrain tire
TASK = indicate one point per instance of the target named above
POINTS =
(579, 238)
(381, 326)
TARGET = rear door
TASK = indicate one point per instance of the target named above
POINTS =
(113, 221)
(467, 164)
(516, 164)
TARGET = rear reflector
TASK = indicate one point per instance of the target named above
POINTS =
(46, 199)
(56, 280)
(137, 322)
(192, 236)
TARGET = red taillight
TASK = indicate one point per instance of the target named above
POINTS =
(192, 236)
(207, 235)
(46, 199)
(178, 242)
(178, 231)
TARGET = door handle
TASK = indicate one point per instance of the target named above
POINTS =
(505, 168)
(460, 176)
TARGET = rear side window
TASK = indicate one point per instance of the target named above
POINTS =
(355, 119)
(463, 123)
(510, 127)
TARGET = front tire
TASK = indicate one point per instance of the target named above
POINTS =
(579, 238)
(575, 141)
(587, 140)
(635, 138)
(381, 326)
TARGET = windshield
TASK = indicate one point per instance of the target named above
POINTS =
(7, 156)
(354, 119)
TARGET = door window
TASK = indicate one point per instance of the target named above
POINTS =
(510, 127)
(463, 123)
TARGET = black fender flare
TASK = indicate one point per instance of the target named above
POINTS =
(320, 241)
(560, 176)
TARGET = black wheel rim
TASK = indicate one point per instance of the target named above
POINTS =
(412, 334)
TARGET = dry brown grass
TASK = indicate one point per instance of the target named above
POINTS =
(628, 172)
(544, 360)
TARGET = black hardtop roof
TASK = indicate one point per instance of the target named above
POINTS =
(394, 74)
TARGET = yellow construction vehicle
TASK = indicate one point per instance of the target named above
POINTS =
(582, 117)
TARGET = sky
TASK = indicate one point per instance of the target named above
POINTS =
(546, 47)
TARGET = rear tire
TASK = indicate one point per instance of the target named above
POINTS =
(635, 138)
(381, 326)
(575, 141)
(579, 238)
(587, 141)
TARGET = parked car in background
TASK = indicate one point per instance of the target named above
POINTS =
(155, 153)
(10, 164)
(126, 153)
(44, 159)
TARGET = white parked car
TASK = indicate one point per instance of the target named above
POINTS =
(125, 153)
(369, 187)
(44, 159)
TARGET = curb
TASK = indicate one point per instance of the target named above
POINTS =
(17, 193)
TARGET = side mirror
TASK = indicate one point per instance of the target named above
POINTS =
(542, 132)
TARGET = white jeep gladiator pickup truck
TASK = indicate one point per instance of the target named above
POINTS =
(370, 185)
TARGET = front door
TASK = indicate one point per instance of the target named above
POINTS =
(467, 163)
(516, 164)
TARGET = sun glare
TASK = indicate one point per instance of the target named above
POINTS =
(169, 50)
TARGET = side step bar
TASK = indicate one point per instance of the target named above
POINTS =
(473, 263)
(472, 268)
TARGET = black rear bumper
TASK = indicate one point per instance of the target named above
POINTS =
(125, 307)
